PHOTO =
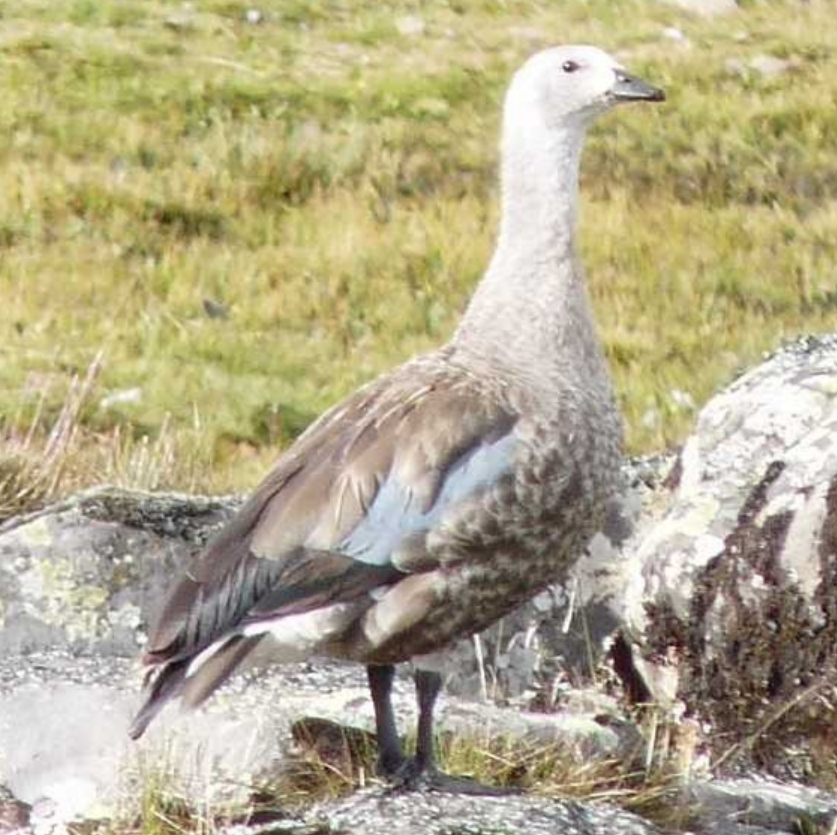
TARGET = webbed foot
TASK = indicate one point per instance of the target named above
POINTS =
(411, 775)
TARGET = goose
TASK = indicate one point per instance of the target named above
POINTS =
(448, 491)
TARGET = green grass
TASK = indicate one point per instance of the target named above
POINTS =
(329, 184)
(329, 761)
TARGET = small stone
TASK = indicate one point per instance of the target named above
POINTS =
(718, 803)
(682, 400)
(179, 22)
(705, 8)
(122, 397)
(410, 25)
(253, 16)
(767, 66)
(215, 309)
(770, 66)
(676, 38)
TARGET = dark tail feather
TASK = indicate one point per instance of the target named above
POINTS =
(217, 669)
(166, 684)
(171, 681)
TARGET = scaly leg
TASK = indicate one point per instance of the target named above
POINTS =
(420, 772)
(391, 759)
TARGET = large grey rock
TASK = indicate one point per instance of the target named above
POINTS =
(730, 603)
(84, 575)
(376, 812)
(721, 804)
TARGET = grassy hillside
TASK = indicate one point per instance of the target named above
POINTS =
(248, 210)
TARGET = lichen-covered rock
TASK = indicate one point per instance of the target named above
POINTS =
(731, 608)
(85, 574)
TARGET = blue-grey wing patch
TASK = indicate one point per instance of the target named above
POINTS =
(398, 517)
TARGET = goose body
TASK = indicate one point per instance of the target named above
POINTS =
(442, 495)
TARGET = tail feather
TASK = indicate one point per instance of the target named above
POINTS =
(166, 684)
(174, 679)
(199, 686)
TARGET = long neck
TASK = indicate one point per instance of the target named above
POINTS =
(530, 313)
(539, 181)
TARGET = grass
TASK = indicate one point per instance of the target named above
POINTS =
(246, 221)
(331, 761)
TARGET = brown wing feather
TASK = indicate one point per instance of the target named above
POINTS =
(410, 424)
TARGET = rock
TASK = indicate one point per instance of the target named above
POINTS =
(678, 38)
(64, 747)
(672, 33)
(121, 398)
(770, 66)
(378, 812)
(719, 804)
(767, 66)
(215, 309)
(730, 607)
(286, 826)
(84, 575)
(410, 25)
(705, 8)
(253, 17)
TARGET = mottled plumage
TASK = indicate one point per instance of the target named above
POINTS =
(442, 495)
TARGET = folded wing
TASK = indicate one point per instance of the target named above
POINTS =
(348, 509)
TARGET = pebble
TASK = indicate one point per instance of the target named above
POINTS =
(410, 25)
(705, 8)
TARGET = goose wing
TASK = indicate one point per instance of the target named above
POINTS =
(347, 509)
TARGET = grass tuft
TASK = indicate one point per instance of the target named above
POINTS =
(33, 466)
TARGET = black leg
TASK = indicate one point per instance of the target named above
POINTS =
(418, 772)
(390, 754)
(428, 685)
(421, 771)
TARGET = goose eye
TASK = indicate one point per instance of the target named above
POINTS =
(569, 66)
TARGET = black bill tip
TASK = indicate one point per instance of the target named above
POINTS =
(631, 88)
